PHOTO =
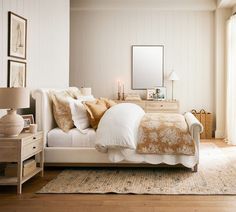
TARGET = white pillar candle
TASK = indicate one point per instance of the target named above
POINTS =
(33, 128)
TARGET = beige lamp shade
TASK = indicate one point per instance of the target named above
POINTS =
(173, 76)
(14, 98)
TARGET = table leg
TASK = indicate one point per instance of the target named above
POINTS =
(19, 177)
(42, 163)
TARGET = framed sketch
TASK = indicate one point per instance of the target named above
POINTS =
(150, 94)
(16, 74)
(17, 35)
(28, 119)
(160, 93)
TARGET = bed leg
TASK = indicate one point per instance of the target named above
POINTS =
(195, 168)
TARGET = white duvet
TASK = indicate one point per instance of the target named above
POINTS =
(118, 128)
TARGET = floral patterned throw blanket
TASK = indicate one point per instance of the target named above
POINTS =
(162, 133)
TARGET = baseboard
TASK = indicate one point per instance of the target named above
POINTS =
(219, 134)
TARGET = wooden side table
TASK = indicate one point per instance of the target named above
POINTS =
(18, 149)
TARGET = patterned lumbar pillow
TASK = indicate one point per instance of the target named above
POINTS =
(61, 107)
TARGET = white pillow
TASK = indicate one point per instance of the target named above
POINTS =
(79, 112)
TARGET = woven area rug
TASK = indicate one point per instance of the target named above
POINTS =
(216, 175)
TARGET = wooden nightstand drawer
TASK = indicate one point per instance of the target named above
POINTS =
(32, 147)
(8, 151)
(33, 138)
(159, 106)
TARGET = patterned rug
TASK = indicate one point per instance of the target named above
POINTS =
(216, 175)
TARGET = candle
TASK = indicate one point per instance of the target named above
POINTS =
(123, 87)
(33, 128)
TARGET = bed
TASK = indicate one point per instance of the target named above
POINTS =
(76, 148)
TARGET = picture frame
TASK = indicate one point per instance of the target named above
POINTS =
(17, 36)
(160, 93)
(28, 119)
(16, 74)
(150, 94)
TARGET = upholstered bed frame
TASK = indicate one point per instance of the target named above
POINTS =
(80, 155)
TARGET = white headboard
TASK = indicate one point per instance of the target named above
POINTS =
(43, 111)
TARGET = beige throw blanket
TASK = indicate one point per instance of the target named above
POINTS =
(161, 133)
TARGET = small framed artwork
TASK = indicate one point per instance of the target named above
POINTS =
(28, 119)
(16, 74)
(160, 93)
(17, 35)
(150, 94)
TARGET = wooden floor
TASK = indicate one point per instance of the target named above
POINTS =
(29, 201)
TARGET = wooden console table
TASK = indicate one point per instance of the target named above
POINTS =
(167, 106)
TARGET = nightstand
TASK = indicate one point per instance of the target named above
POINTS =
(17, 150)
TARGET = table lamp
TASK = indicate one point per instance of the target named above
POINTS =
(12, 99)
(173, 77)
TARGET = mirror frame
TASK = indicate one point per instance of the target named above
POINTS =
(132, 65)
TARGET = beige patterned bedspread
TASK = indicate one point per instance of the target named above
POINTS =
(162, 133)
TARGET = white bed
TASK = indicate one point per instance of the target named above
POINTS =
(74, 138)
(75, 148)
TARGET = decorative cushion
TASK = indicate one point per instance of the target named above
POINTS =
(74, 92)
(95, 110)
(108, 102)
(79, 112)
(61, 107)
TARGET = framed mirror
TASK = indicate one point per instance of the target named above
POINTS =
(147, 66)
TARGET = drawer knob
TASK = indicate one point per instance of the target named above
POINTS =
(34, 147)
(161, 105)
(34, 138)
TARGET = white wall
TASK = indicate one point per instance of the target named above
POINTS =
(221, 17)
(47, 42)
(101, 42)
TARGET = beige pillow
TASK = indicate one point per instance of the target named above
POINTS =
(74, 92)
(108, 102)
(95, 110)
(61, 108)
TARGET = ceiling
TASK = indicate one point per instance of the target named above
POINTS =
(154, 4)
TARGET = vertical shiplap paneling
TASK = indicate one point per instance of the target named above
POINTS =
(47, 41)
(103, 39)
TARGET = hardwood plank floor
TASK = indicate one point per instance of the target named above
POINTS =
(29, 201)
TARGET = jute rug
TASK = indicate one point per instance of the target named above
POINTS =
(216, 175)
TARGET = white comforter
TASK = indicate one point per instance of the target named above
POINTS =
(117, 134)
(118, 127)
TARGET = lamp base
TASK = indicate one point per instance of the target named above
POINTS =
(11, 124)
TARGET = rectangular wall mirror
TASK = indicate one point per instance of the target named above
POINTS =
(147, 66)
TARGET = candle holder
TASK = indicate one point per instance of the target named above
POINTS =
(123, 96)
(118, 96)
